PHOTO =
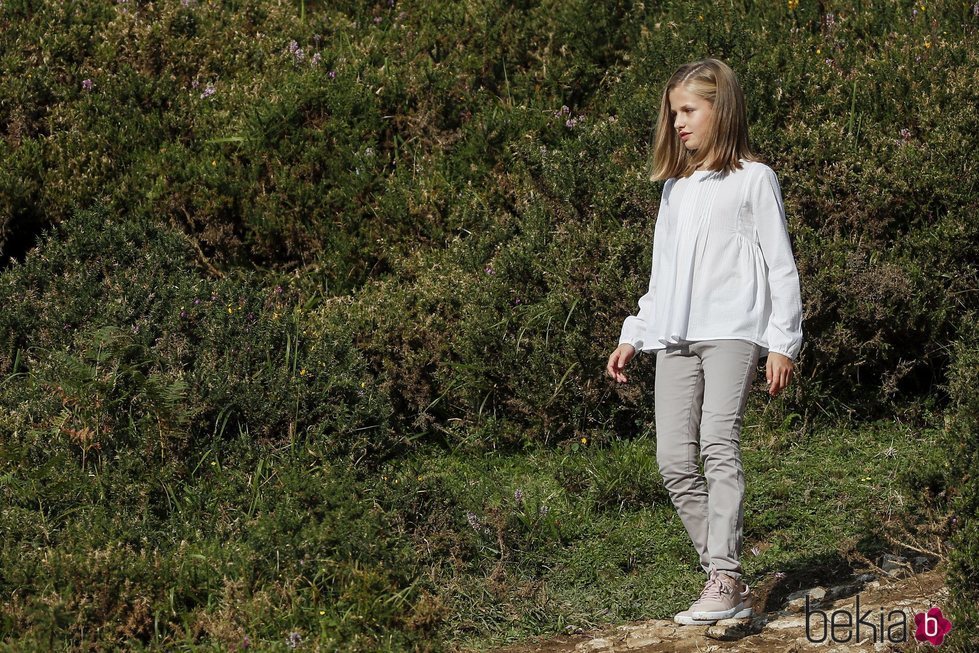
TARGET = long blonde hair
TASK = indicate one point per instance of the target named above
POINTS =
(726, 140)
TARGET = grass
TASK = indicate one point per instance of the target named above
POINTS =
(811, 498)
(463, 549)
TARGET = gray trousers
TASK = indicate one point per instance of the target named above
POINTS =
(701, 393)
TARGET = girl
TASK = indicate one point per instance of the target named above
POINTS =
(723, 292)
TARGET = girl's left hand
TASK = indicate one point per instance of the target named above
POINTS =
(778, 372)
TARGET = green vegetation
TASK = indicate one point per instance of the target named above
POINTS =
(298, 295)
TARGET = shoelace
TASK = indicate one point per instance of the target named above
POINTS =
(714, 588)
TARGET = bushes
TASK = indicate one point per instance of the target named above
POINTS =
(340, 141)
(962, 490)
(115, 335)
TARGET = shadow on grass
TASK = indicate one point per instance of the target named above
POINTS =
(840, 570)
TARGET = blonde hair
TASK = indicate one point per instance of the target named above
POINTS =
(726, 140)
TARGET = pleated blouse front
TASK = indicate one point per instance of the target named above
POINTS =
(722, 265)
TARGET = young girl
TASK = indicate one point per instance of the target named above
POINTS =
(723, 292)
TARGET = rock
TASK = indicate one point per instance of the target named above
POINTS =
(597, 644)
(786, 623)
(729, 630)
(640, 639)
(660, 628)
(921, 563)
(797, 600)
(647, 634)
(814, 594)
(895, 566)
(839, 591)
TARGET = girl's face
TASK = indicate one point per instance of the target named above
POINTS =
(691, 116)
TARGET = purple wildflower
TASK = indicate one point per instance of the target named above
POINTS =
(830, 19)
(489, 270)
(209, 90)
(473, 521)
(332, 74)
(294, 640)
(87, 84)
(296, 51)
(195, 84)
(278, 290)
(316, 59)
(906, 134)
(377, 20)
(518, 495)
(247, 642)
(543, 510)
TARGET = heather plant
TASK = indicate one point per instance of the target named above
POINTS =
(114, 332)
(950, 491)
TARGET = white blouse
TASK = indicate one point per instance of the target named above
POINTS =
(722, 265)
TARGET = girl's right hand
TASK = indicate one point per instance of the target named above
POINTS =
(618, 360)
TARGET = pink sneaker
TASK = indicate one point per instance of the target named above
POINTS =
(723, 597)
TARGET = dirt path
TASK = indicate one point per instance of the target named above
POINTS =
(783, 628)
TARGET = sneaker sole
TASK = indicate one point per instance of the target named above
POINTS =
(738, 612)
(690, 621)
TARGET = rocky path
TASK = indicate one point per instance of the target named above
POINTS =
(888, 601)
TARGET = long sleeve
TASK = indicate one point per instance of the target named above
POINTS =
(784, 331)
(636, 326)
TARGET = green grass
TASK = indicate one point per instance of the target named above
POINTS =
(434, 549)
(813, 498)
